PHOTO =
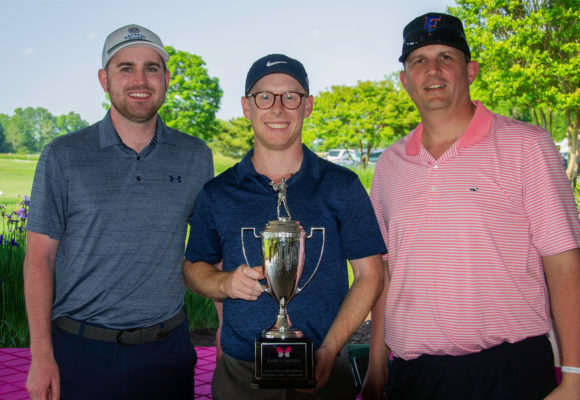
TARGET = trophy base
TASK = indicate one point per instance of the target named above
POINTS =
(283, 363)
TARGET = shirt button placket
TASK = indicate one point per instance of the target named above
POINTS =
(139, 179)
(432, 177)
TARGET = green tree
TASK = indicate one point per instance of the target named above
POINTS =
(4, 146)
(193, 97)
(29, 129)
(70, 122)
(362, 117)
(235, 137)
(529, 54)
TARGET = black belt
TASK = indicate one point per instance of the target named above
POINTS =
(124, 336)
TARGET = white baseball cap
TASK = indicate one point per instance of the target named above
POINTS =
(131, 35)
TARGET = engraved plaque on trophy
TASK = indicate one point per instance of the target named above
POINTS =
(284, 356)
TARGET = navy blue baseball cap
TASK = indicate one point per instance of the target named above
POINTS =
(434, 28)
(276, 63)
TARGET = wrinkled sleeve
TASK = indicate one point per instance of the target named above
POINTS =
(548, 198)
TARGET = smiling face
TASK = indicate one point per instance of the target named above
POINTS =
(277, 128)
(136, 81)
(437, 77)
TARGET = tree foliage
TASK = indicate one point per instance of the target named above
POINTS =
(362, 117)
(30, 129)
(529, 53)
(69, 123)
(235, 137)
(193, 97)
(4, 146)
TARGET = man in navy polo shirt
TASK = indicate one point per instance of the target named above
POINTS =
(108, 218)
(319, 194)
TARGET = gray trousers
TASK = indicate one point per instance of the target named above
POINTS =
(232, 378)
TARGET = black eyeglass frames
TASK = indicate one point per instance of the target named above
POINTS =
(265, 100)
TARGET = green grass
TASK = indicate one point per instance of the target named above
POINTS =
(16, 176)
(365, 176)
(221, 163)
(27, 157)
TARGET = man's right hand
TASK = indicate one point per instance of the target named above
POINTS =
(43, 381)
(243, 283)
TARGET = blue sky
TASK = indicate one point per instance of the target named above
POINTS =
(52, 48)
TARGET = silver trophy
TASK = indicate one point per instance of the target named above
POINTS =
(283, 255)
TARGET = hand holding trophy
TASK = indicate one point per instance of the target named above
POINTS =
(284, 356)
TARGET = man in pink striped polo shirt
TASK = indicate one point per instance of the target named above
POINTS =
(483, 238)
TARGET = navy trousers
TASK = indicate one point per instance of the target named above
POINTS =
(91, 369)
(522, 370)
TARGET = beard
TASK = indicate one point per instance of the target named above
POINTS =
(138, 112)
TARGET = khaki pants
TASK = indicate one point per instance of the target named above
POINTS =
(232, 378)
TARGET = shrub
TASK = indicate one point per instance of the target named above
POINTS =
(201, 312)
(13, 327)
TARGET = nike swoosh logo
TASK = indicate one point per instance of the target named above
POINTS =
(269, 63)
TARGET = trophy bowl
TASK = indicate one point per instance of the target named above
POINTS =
(283, 262)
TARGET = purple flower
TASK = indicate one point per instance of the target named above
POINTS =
(22, 213)
(1, 239)
(26, 200)
(14, 243)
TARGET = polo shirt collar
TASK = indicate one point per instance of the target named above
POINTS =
(108, 135)
(309, 165)
(475, 132)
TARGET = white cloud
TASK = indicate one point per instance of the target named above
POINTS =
(28, 52)
(92, 35)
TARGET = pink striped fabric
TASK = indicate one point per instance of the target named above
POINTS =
(465, 235)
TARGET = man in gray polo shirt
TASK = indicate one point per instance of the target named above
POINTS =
(108, 217)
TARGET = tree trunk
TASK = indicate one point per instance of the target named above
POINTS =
(544, 121)
(535, 115)
(572, 132)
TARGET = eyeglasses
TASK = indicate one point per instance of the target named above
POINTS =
(265, 100)
(443, 33)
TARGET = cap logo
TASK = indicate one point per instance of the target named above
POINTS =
(134, 33)
(270, 63)
(431, 23)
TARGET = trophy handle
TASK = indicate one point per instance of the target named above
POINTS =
(298, 290)
(266, 288)
(243, 248)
